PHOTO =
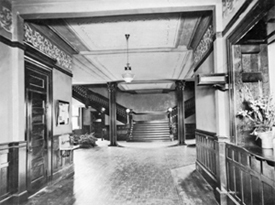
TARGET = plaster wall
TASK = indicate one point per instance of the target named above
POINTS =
(12, 107)
(205, 99)
(271, 63)
(140, 103)
(62, 90)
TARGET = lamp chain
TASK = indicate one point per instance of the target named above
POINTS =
(127, 38)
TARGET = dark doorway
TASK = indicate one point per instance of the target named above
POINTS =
(37, 92)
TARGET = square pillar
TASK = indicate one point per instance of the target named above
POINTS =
(112, 87)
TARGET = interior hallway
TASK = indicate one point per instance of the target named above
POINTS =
(132, 174)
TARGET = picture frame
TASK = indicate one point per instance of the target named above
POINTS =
(63, 113)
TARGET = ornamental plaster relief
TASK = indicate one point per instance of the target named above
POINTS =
(6, 16)
(204, 45)
(44, 45)
(230, 8)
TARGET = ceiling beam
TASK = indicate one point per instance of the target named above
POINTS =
(140, 50)
(53, 9)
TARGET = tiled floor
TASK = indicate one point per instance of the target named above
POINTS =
(132, 174)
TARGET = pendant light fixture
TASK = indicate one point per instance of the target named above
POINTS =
(127, 76)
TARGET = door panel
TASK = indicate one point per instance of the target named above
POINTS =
(37, 100)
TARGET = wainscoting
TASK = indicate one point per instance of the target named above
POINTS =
(62, 165)
(207, 156)
(13, 173)
(13, 170)
(251, 178)
(249, 172)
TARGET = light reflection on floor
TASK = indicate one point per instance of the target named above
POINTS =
(131, 174)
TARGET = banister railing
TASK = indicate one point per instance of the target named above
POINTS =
(207, 154)
(250, 173)
(97, 101)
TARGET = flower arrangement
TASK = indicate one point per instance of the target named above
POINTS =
(260, 112)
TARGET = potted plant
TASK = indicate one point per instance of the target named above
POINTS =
(261, 114)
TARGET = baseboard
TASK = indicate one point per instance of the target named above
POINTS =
(209, 178)
(63, 173)
(15, 199)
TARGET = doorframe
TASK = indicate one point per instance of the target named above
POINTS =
(45, 65)
(258, 12)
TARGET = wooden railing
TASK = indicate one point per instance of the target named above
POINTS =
(207, 155)
(97, 101)
(189, 108)
(250, 176)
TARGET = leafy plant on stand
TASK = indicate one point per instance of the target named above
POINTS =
(260, 112)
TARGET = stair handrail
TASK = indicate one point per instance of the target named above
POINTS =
(87, 97)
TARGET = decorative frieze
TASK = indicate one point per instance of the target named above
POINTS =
(230, 6)
(204, 45)
(6, 16)
(44, 45)
(230, 9)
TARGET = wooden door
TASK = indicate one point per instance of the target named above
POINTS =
(37, 132)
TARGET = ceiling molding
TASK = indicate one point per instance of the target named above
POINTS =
(60, 9)
(200, 31)
(193, 34)
(139, 50)
(82, 61)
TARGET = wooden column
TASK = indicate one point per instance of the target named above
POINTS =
(112, 87)
(180, 84)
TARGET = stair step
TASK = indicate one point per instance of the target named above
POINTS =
(151, 136)
(150, 122)
(152, 130)
(148, 140)
(148, 131)
(151, 126)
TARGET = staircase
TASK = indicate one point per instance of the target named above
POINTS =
(148, 131)
(97, 101)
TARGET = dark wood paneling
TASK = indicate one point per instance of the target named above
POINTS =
(14, 44)
(207, 155)
(62, 165)
(13, 173)
(190, 131)
(5, 165)
(251, 178)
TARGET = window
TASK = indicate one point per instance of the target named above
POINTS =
(76, 118)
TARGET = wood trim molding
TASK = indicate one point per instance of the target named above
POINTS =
(38, 56)
(63, 71)
(43, 58)
(236, 17)
(14, 44)
(254, 16)
(212, 134)
(256, 13)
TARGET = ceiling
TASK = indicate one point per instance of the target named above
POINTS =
(160, 48)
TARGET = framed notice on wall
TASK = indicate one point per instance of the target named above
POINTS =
(63, 112)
